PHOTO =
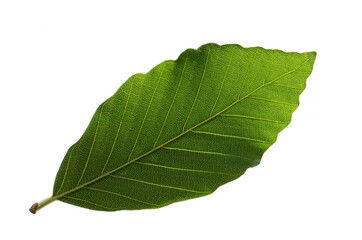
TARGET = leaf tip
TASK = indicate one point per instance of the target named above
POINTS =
(312, 55)
(33, 208)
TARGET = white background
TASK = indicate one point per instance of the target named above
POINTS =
(60, 59)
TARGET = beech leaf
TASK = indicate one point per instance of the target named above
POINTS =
(183, 129)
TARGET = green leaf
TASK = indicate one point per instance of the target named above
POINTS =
(183, 129)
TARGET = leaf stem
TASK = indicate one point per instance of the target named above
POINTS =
(36, 206)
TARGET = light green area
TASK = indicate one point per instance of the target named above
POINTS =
(183, 129)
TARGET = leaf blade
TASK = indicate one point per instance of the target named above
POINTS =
(112, 157)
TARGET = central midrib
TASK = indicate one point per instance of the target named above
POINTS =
(178, 136)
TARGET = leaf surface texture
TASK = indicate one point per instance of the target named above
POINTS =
(184, 128)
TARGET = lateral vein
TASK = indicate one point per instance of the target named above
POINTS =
(144, 118)
(66, 170)
(273, 101)
(157, 185)
(198, 90)
(89, 202)
(223, 80)
(203, 152)
(184, 169)
(90, 151)
(169, 109)
(253, 118)
(231, 136)
(121, 195)
(119, 128)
